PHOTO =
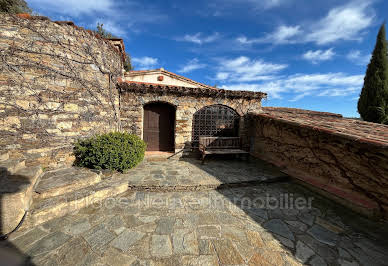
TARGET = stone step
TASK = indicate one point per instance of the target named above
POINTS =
(4, 155)
(45, 209)
(64, 180)
(10, 166)
(32, 173)
(16, 194)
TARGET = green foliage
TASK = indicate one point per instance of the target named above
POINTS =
(373, 101)
(14, 6)
(128, 63)
(107, 35)
(103, 33)
(114, 151)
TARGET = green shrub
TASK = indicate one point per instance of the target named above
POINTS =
(114, 151)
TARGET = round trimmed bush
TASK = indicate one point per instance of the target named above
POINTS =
(114, 151)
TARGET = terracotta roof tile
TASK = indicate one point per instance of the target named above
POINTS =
(354, 129)
(144, 87)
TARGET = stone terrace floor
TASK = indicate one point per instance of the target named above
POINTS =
(229, 226)
(189, 174)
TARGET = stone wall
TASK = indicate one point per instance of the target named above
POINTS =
(344, 159)
(57, 84)
(132, 112)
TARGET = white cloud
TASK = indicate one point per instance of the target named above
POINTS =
(244, 69)
(318, 55)
(199, 38)
(282, 35)
(301, 85)
(307, 82)
(342, 23)
(271, 3)
(117, 17)
(252, 4)
(273, 88)
(347, 22)
(339, 92)
(299, 96)
(74, 7)
(191, 66)
(356, 57)
(145, 62)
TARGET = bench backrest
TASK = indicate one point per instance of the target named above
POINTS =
(219, 143)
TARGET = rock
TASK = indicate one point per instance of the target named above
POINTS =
(303, 252)
(298, 225)
(277, 226)
(343, 262)
(318, 261)
(209, 232)
(266, 257)
(323, 250)
(202, 260)
(285, 241)
(234, 233)
(73, 252)
(78, 227)
(185, 242)
(126, 239)
(323, 235)
(227, 254)
(48, 243)
(329, 226)
(255, 239)
(114, 257)
(306, 218)
(205, 247)
(115, 223)
(25, 241)
(343, 253)
(165, 226)
(98, 237)
(161, 246)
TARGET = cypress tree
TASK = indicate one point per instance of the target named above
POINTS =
(373, 101)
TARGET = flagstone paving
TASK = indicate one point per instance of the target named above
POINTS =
(189, 174)
(232, 226)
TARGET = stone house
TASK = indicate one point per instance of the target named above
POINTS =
(172, 117)
(59, 100)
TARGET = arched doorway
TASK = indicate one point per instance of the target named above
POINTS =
(158, 126)
(215, 120)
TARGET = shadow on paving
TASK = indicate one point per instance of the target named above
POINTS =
(320, 233)
(10, 255)
(229, 226)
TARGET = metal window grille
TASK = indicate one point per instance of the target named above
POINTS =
(214, 121)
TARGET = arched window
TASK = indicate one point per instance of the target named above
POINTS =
(215, 120)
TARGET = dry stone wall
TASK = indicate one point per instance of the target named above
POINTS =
(351, 171)
(57, 84)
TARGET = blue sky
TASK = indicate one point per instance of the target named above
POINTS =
(304, 54)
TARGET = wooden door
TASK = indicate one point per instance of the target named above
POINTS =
(159, 124)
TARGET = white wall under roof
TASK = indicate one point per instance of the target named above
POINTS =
(153, 78)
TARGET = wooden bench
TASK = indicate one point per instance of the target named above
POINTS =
(220, 145)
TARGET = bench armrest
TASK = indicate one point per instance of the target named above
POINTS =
(201, 147)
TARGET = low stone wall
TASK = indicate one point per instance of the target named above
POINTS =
(322, 150)
(57, 84)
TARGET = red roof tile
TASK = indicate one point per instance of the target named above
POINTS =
(144, 87)
(354, 129)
